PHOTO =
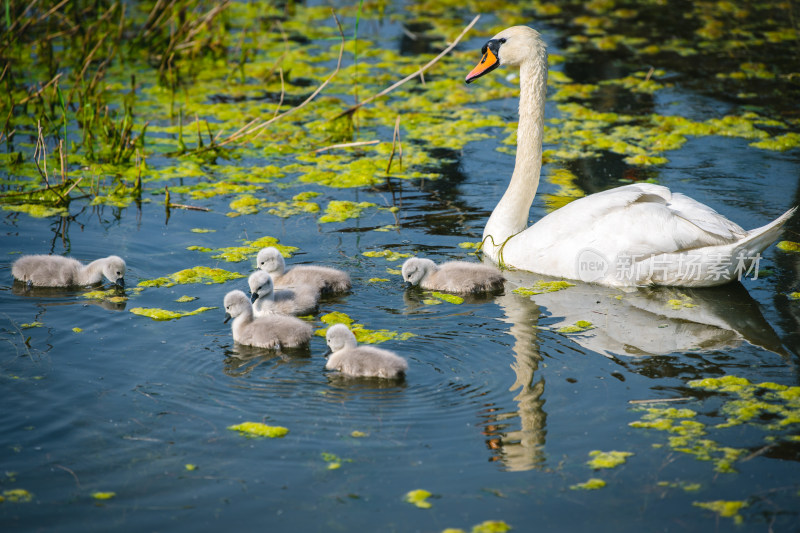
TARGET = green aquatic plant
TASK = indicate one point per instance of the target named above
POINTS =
(592, 484)
(389, 255)
(725, 509)
(419, 497)
(542, 286)
(363, 335)
(259, 429)
(199, 274)
(610, 459)
(99, 495)
(341, 210)
(163, 314)
(17, 496)
(449, 298)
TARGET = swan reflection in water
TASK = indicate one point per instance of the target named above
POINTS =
(112, 299)
(633, 323)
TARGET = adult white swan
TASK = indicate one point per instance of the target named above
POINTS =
(633, 235)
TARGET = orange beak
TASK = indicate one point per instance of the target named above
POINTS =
(488, 62)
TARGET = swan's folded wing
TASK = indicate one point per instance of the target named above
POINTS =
(705, 218)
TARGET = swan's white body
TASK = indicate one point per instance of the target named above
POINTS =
(300, 300)
(633, 235)
(347, 357)
(274, 331)
(59, 271)
(326, 280)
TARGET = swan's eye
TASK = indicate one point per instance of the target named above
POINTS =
(503, 40)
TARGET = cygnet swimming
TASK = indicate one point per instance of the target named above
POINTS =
(327, 280)
(299, 300)
(453, 276)
(347, 357)
(273, 331)
(59, 271)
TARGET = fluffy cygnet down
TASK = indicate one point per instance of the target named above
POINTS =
(453, 276)
(347, 357)
(299, 300)
(273, 331)
(327, 280)
(59, 271)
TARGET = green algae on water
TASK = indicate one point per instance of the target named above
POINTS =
(610, 459)
(725, 509)
(199, 274)
(541, 287)
(341, 210)
(17, 495)
(163, 314)
(788, 246)
(389, 255)
(99, 495)
(592, 484)
(419, 497)
(258, 429)
(449, 298)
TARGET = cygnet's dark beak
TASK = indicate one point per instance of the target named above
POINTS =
(326, 354)
(120, 283)
(407, 285)
(253, 296)
(227, 317)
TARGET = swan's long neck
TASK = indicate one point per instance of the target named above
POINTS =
(91, 273)
(510, 216)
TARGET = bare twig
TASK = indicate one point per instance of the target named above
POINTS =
(415, 74)
(660, 400)
(64, 468)
(346, 145)
(396, 142)
(252, 130)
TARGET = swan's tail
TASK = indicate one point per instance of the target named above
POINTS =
(759, 239)
(713, 265)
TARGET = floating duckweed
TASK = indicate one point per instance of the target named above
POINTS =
(491, 526)
(38, 210)
(17, 495)
(686, 487)
(579, 326)
(593, 484)
(184, 299)
(377, 280)
(199, 274)
(389, 255)
(789, 246)
(195, 248)
(341, 210)
(610, 459)
(103, 495)
(336, 317)
(246, 204)
(723, 384)
(419, 498)
(190, 467)
(77, 330)
(163, 314)
(450, 298)
(257, 429)
(358, 434)
(29, 325)
(542, 286)
(334, 461)
(202, 230)
(111, 295)
(470, 245)
(725, 509)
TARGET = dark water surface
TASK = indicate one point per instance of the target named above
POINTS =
(498, 413)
